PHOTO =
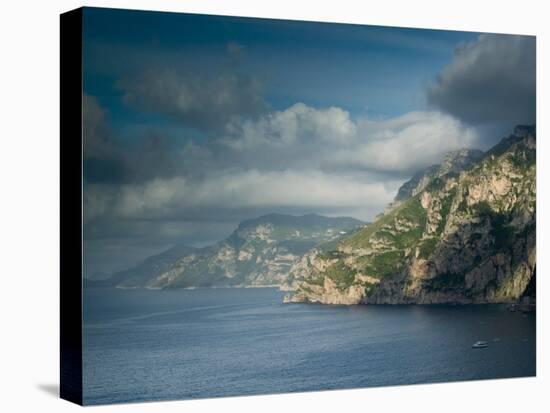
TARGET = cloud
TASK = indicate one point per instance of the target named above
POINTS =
(235, 49)
(97, 140)
(107, 161)
(196, 101)
(300, 159)
(492, 79)
(405, 143)
(178, 197)
(103, 161)
(298, 124)
(302, 136)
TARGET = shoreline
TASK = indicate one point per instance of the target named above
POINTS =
(189, 288)
(512, 306)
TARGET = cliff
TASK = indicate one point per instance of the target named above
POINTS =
(465, 235)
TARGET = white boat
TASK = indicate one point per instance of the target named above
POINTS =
(480, 344)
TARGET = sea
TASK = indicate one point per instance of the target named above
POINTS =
(144, 345)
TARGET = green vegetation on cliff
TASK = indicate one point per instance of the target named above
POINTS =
(462, 236)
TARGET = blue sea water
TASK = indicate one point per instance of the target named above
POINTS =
(142, 345)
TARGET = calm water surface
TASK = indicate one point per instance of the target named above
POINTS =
(159, 345)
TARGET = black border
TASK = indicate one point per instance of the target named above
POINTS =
(71, 206)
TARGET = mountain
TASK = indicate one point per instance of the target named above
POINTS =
(259, 252)
(465, 237)
(152, 267)
(455, 161)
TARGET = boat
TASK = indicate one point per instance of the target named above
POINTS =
(480, 344)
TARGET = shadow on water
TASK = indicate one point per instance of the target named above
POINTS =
(50, 389)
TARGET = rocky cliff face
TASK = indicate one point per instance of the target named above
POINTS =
(455, 161)
(260, 252)
(461, 237)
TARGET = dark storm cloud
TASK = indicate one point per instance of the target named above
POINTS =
(102, 158)
(492, 79)
(110, 162)
(194, 100)
(96, 134)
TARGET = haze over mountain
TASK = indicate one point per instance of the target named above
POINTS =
(259, 252)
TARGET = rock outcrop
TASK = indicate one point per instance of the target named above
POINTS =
(460, 234)
(455, 162)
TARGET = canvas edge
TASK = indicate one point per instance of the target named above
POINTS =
(71, 377)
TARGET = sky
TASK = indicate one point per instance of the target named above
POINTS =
(193, 123)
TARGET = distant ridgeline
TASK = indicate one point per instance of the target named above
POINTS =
(260, 252)
(460, 232)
